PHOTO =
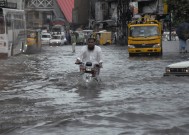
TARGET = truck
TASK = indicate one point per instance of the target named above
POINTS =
(58, 30)
(145, 37)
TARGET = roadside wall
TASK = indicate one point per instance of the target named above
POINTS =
(172, 46)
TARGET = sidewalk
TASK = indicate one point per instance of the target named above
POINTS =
(172, 46)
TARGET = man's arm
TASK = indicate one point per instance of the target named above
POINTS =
(100, 57)
(80, 57)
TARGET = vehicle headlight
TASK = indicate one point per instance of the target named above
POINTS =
(167, 70)
(187, 70)
(88, 69)
(131, 46)
(156, 46)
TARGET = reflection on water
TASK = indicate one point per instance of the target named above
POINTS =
(89, 92)
(42, 94)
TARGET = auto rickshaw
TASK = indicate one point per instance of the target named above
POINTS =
(104, 37)
(80, 37)
(33, 41)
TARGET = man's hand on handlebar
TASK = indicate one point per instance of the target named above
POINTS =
(100, 65)
(78, 62)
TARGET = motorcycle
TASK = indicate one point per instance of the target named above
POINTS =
(89, 72)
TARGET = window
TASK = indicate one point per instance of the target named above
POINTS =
(146, 31)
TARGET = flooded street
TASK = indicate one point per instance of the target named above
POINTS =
(40, 95)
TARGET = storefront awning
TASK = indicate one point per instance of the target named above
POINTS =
(66, 6)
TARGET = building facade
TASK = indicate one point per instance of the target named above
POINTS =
(80, 12)
(107, 9)
(40, 13)
(19, 3)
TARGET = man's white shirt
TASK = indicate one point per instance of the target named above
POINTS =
(94, 56)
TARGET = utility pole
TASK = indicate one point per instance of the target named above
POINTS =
(170, 20)
(124, 16)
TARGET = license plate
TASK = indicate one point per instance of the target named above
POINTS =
(88, 69)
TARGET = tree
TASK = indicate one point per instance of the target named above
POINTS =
(179, 10)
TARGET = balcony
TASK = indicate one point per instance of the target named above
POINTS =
(39, 4)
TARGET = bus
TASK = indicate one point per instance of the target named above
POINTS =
(12, 32)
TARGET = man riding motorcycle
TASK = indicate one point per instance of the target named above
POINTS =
(90, 53)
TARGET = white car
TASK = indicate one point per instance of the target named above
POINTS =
(45, 38)
(177, 69)
(57, 40)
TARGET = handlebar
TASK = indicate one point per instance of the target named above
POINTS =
(80, 63)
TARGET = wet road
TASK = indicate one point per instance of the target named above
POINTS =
(40, 95)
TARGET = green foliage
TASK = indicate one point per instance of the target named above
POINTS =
(179, 10)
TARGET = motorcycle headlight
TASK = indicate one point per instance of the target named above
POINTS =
(131, 46)
(88, 69)
(167, 70)
(156, 46)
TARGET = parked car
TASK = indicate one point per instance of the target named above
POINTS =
(57, 40)
(177, 69)
(45, 38)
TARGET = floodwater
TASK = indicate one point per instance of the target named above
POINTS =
(40, 95)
